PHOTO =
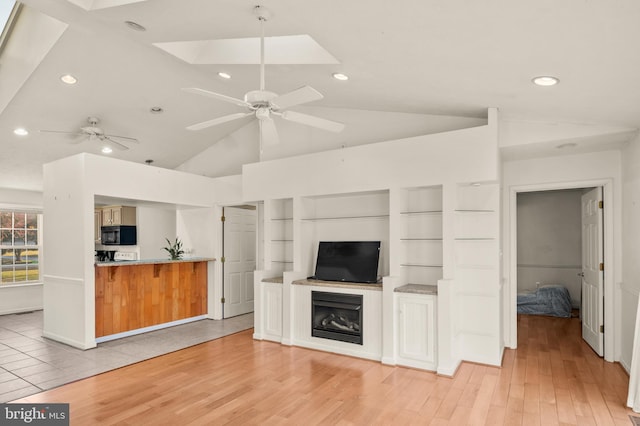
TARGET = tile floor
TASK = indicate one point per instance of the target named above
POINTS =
(30, 363)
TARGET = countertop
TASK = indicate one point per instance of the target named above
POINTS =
(153, 261)
(417, 289)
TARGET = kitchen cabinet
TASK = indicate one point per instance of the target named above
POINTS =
(97, 224)
(134, 296)
(118, 215)
(272, 311)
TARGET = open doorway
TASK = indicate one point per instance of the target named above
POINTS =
(239, 226)
(560, 257)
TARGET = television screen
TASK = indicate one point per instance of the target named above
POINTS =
(352, 261)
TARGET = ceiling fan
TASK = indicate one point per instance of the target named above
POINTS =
(264, 104)
(94, 133)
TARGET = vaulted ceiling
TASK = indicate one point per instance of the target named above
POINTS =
(412, 56)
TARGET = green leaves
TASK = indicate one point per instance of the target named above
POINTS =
(174, 249)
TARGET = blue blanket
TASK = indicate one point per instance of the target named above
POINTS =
(553, 300)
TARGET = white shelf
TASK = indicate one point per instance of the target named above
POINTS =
(319, 219)
(429, 212)
(417, 265)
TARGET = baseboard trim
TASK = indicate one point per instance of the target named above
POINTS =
(625, 366)
(148, 329)
(387, 360)
(449, 370)
(71, 342)
(21, 310)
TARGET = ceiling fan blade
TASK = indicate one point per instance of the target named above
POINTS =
(128, 139)
(79, 138)
(310, 120)
(59, 131)
(114, 143)
(218, 96)
(219, 120)
(296, 97)
(268, 132)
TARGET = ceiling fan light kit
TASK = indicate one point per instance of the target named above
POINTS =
(264, 104)
(94, 133)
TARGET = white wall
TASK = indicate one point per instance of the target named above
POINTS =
(17, 198)
(564, 172)
(69, 247)
(154, 224)
(550, 240)
(197, 230)
(227, 156)
(421, 160)
(631, 247)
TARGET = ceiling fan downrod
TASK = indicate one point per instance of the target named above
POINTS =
(263, 16)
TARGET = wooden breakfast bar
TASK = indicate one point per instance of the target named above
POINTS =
(134, 295)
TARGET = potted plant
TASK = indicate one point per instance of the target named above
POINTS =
(174, 249)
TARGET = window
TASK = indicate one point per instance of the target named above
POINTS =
(20, 246)
(8, 12)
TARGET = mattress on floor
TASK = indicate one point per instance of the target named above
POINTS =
(553, 300)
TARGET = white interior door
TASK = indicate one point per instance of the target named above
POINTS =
(592, 270)
(239, 260)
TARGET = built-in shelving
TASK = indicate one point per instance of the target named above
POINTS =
(419, 265)
(318, 219)
(476, 232)
(421, 235)
(281, 237)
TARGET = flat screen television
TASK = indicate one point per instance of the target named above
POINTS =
(352, 261)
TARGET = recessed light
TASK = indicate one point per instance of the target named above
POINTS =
(21, 131)
(69, 79)
(156, 110)
(340, 76)
(545, 80)
(224, 75)
(134, 26)
(566, 145)
(106, 150)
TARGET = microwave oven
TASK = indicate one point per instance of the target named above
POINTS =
(119, 235)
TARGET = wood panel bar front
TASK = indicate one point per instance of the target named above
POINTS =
(130, 297)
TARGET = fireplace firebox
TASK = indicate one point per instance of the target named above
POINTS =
(336, 316)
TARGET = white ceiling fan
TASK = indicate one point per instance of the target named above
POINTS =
(264, 104)
(94, 133)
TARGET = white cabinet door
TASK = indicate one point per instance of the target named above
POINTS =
(416, 330)
(272, 305)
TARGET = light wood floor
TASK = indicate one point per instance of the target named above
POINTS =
(553, 378)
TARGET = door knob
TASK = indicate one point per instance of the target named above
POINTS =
(581, 274)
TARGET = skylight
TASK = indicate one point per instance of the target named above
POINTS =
(8, 12)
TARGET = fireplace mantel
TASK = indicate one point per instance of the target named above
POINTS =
(338, 284)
